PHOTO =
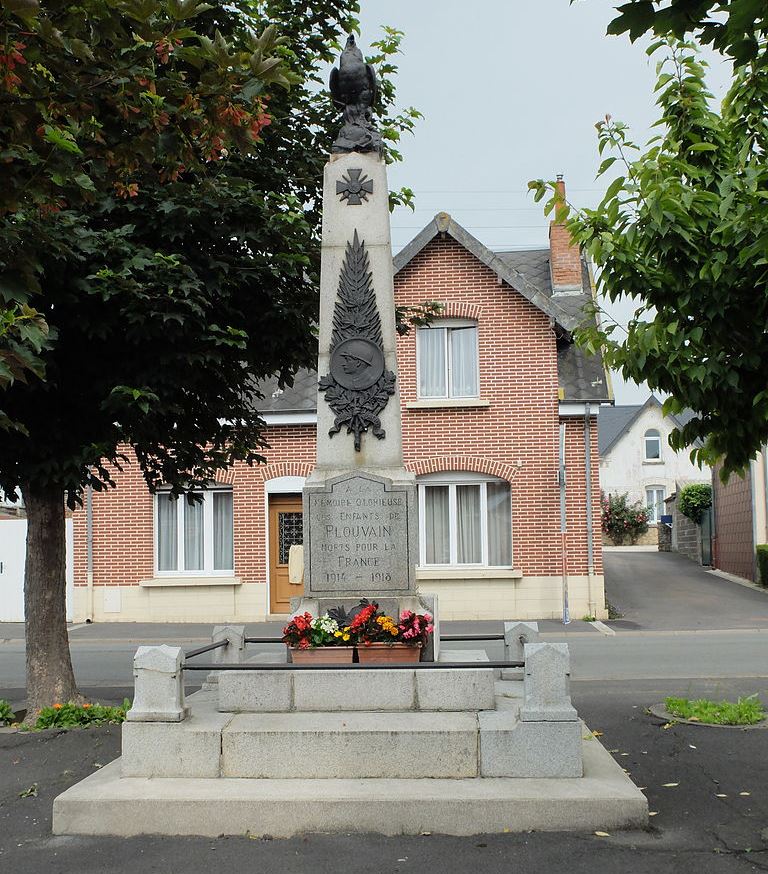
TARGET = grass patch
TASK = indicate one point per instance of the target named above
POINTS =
(745, 711)
(71, 715)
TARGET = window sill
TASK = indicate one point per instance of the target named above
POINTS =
(653, 461)
(469, 573)
(447, 403)
(167, 582)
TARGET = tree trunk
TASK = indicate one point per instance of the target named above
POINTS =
(50, 677)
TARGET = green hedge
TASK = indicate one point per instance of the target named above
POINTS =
(694, 499)
(762, 563)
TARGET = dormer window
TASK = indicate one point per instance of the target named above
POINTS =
(652, 443)
(447, 359)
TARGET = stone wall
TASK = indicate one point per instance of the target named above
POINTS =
(664, 532)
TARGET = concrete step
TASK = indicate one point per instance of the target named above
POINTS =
(105, 804)
(350, 745)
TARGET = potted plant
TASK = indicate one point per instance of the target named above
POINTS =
(382, 639)
(318, 640)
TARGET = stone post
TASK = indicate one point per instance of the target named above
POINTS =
(546, 684)
(158, 685)
(235, 652)
(516, 635)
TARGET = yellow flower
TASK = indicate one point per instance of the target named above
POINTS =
(345, 637)
(337, 634)
(393, 632)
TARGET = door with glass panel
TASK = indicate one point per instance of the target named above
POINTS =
(286, 529)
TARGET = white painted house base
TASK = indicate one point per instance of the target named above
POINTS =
(478, 594)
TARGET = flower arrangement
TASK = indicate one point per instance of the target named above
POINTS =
(303, 632)
(362, 626)
(371, 625)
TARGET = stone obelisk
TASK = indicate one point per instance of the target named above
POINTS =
(360, 528)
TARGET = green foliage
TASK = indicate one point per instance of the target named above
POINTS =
(160, 195)
(7, 714)
(737, 28)
(71, 715)
(745, 711)
(621, 521)
(683, 230)
(694, 500)
(762, 563)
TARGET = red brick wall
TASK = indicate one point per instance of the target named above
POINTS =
(518, 375)
(515, 438)
(734, 546)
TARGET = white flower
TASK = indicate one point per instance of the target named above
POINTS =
(325, 624)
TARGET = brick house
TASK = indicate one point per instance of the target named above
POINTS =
(492, 395)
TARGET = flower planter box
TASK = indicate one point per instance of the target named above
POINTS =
(326, 655)
(388, 653)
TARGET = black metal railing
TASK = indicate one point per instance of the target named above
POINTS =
(207, 648)
(252, 666)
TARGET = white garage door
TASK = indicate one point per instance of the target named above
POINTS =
(13, 537)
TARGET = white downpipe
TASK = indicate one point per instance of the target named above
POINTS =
(563, 527)
(588, 501)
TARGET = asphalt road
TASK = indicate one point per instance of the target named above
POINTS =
(684, 770)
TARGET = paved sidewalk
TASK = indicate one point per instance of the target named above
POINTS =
(695, 831)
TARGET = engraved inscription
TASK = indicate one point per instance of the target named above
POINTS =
(359, 538)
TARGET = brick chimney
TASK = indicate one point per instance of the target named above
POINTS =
(564, 255)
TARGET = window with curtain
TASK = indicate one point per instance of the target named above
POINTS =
(195, 539)
(652, 443)
(654, 500)
(447, 358)
(466, 521)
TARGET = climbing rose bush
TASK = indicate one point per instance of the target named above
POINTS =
(621, 521)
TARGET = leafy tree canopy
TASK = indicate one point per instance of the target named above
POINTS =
(737, 28)
(684, 231)
(160, 187)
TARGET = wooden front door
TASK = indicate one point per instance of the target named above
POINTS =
(285, 530)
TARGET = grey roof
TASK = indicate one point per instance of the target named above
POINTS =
(506, 268)
(582, 377)
(301, 397)
(614, 422)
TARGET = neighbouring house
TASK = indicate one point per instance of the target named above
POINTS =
(494, 396)
(740, 509)
(636, 458)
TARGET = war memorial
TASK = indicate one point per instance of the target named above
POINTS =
(454, 743)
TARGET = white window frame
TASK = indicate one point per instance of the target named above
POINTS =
(656, 517)
(448, 325)
(181, 504)
(651, 434)
(453, 480)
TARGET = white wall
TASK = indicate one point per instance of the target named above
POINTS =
(624, 469)
(13, 539)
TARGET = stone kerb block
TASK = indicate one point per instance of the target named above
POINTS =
(546, 684)
(516, 635)
(235, 652)
(158, 685)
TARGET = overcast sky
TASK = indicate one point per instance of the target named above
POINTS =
(511, 91)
